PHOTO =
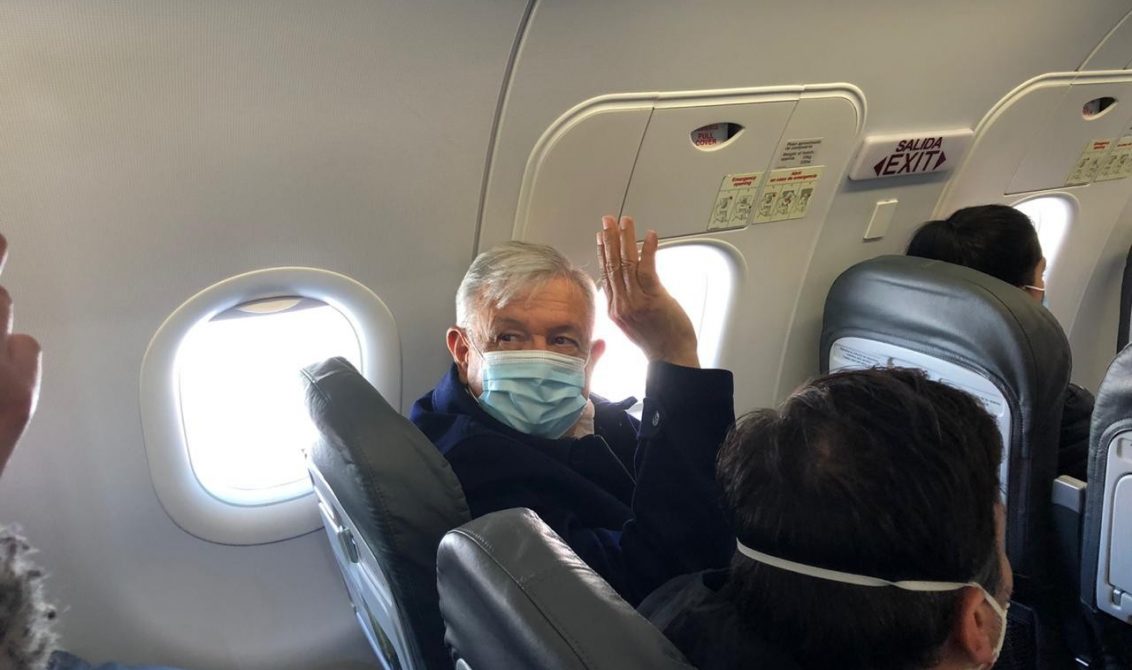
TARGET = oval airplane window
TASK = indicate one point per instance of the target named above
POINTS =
(223, 405)
(243, 400)
(702, 278)
(1051, 216)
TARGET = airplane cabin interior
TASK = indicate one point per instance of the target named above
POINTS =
(237, 227)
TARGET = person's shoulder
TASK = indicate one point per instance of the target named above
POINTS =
(708, 629)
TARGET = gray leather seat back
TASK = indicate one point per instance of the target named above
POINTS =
(514, 595)
(1106, 553)
(387, 496)
(980, 334)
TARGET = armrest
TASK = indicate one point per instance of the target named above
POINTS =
(1067, 516)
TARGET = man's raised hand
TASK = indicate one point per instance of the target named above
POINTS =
(637, 302)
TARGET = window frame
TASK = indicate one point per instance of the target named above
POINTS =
(737, 267)
(1072, 205)
(188, 503)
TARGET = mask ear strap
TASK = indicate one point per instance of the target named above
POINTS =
(848, 577)
(864, 580)
(464, 332)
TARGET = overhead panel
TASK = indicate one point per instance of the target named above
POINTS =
(1067, 135)
(677, 185)
(1075, 141)
(821, 136)
(579, 171)
(1115, 51)
(688, 163)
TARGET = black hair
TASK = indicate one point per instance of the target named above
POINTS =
(995, 239)
(874, 472)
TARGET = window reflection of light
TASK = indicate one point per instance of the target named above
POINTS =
(1051, 216)
(700, 277)
(243, 402)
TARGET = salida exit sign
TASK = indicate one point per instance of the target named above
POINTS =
(905, 154)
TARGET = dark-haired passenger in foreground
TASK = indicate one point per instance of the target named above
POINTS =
(1001, 241)
(870, 535)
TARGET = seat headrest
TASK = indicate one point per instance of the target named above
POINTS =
(1114, 398)
(393, 484)
(956, 313)
(1112, 417)
(980, 323)
(514, 595)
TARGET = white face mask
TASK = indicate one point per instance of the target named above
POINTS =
(862, 580)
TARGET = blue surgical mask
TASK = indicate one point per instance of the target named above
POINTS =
(533, 391)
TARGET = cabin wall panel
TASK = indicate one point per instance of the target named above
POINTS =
(153, 149)
(1011, 146)
(1115, 52)
(1094, 333)
(914, 65)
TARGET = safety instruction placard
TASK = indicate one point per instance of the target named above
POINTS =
(798, 153)
(1118, 163)
(787, 194)
(1087, 165)
(735, 201)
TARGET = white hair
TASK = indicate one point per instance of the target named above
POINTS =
(513, 269)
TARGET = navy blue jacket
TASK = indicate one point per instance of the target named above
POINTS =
(639, 506)
(707, 628)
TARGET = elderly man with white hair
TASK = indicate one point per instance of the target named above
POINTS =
(514, 416)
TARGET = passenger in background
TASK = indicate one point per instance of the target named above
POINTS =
(1001, 241)
(514, 416)
(870, 535)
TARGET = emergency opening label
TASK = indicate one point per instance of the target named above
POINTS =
(1088, 163)
(735, 201)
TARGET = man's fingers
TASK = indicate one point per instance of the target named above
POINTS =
(612, 245)
(5, 317)
(646, 267)
(605, 280)
(3, 252)
(628, 239)
(24, 356)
